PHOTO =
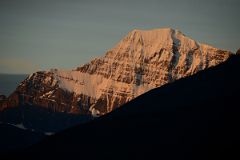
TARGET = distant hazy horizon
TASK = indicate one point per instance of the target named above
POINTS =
(20, 74)
(40, 35)
(9, 82)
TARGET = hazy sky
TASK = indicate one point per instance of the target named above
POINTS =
(44, 34)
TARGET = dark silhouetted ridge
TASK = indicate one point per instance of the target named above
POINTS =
(12, 138)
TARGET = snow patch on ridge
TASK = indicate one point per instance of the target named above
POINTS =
(49, 133)
(20, 125)
(95, 85)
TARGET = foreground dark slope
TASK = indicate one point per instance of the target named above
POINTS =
(41, 119)
(12, 138)
(194, 118)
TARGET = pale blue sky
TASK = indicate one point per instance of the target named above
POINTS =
(44, 34)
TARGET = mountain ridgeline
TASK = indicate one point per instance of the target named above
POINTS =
(141, 61)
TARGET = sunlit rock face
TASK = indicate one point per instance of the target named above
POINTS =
(141, 61)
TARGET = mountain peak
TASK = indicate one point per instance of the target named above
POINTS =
(141, 61)
(149, 42)
(150, 34)
(154, 30)
(157, 31)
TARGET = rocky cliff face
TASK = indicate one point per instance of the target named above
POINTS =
(141, 61)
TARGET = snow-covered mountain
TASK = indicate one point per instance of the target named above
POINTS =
(141, 61)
